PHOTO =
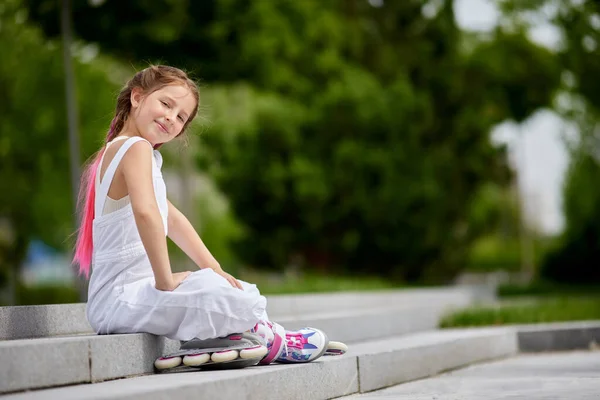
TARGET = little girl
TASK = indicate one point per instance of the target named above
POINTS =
(126, 219)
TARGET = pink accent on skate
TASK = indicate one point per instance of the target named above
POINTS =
(273, 350)
(296, 340)
(235, 338)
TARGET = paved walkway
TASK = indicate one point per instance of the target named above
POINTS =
(564, 376)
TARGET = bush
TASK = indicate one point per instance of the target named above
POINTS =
(47, 294)
(572, 261)
(550, 310)
(491, 253)
(546, 288)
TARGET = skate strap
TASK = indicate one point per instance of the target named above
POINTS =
(103, 185)
(270, 357)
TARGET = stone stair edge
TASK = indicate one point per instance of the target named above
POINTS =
(333, 377)
(119, 355)
(424, 349)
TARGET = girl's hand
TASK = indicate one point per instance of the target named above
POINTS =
(234, 282)
(176, 280)
(179, 277)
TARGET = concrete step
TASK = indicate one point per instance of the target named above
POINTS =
(554, 375)
(368, 366)
(92, 358)
(69, 319)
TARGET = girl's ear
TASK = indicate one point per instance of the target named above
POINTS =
(136, 97)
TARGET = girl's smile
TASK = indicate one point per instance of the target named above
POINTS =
(162, 127)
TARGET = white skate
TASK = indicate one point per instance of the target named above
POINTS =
(233, 351)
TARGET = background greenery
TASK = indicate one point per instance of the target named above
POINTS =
(339, 139)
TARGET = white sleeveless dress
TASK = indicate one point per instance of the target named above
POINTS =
(122, 297)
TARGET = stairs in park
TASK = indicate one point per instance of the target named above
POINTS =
(50, 351)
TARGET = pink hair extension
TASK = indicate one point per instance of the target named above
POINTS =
(87, 196)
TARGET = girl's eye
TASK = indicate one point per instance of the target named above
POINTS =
(165, 104)
(180, 118)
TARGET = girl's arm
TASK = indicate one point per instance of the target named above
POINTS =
(187, 239)
(136, 169)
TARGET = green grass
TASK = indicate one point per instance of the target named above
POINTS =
(545, 289)
(45, 294)
(544, 310)
(313, 283)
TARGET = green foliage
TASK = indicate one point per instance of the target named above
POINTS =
(498, 252)
(494, 214)
(345, 136)
(314, 282)
(492, 253)
(47, 294)
(547, 289)
(572, 261)
(219, 228)
(507, 62)
(550, 310)
(578, 24)
(379, 172)
(33, 134)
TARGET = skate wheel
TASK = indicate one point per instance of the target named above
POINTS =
(224, 356)
(254, 352)
(194, 360)
(167, 362)
(336, 348)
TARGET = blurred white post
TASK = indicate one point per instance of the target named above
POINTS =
(527, 250)
(74, 157)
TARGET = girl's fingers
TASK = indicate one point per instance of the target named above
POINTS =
(234, 282)
(238, 284)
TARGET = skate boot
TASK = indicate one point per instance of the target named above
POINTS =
(233, 351)
(273, 336)
(304, 345)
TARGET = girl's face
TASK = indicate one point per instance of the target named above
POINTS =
(160, 116)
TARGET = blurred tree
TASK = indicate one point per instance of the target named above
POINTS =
(572, 261)
(379, 172)
(36, 200)
(579, 25)
(363, 137)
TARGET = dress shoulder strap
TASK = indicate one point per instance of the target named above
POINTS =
(103, 185)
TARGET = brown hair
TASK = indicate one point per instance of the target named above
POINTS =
(150, 80)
